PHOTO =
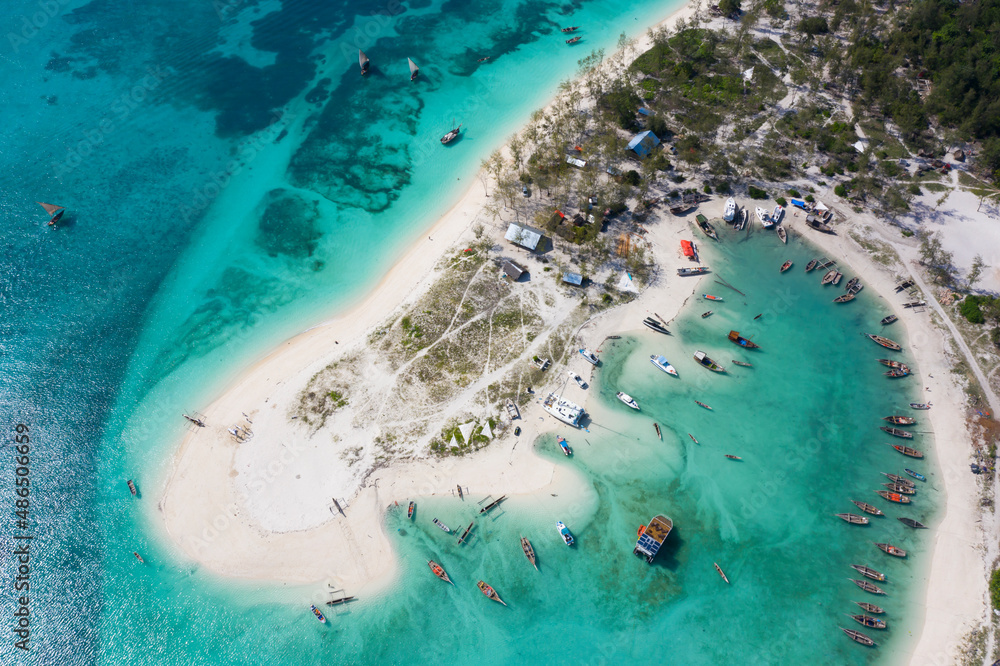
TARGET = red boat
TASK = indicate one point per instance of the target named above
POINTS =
(409, 510)
(889, 549)
(574, 40)
(785, 266)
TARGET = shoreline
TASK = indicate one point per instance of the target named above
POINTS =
(198, 496)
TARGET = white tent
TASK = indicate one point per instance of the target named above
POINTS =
(487, 432)
(466, 430)
(626, 284)
(453, 442)
(748, 75)
(821, 206)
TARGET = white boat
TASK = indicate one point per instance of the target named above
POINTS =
(776, 215)
(730, 213)
(589, 356)
(628, 400)
(764, 217)
(564, 410)
(441, 525)
(564, 533)
(578, 379)
(663, 364)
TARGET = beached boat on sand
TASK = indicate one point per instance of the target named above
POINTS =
(706, 226)
(649, 322)
(589, 356)
(490, 592)
(663, 364)
(920, 405)
(885, 342)
(652, 537)
(852, 518)
(628, 400)
(564, 410)
(764, 217)
(738, 339)
(683, 272)
(729, 214)
(707, 362)
(867, 586)
(889, 549)
(868, 572)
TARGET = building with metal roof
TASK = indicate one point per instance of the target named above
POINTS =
(527, 237)
(642, 144)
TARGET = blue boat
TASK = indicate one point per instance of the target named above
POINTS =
(565, 447)
(564, 533)
(915, 475)
(652, 537)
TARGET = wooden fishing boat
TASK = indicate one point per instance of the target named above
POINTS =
(915, 524)
(465, 534)
(868, 572)
(139, 557)
(706, 314)
(410, 509)
(655, 325)
(826, 264)
(684, 272)
(319, 616)
(920, 405)
(904, 285)
(529, 552)
(858, 637)
(885, 342)
(738, 339)
(867, 586)
(915, 304)
(710, 297)
(811, 265)
(342, 600)
(868, 508)
(889, 549)
(561, 441)
(915, 475)
(893, 497)
(814, 223)
(845, 298)
(692, 438)
(892, 364)
(701, 404)
(574, 40)
(900, 420)
(451, 135)
(721, 572)
(836, 278)
(907, 451)
(706, 362)
(896, 478)
(896, 432)
(652, 536)
(852, 283)
(571, 28)
(439, 571)
(414, 70)
(731, 457)
(900, 488)
(898, 373)
(628, 400)
(785, 266)
(490, 592)
(132, 488)
(656, 427)
(871, 608)
(870, 622)
(706, 226)
(828, 278)
(495, 503)
(852, 518)
(55, 212)
(743, 363)
(782, 234)
(441, 525)
(363, 62)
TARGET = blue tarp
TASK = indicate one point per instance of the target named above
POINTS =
(798, 203)
(645, 112)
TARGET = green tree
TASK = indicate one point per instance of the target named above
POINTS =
(730, 8)
(976, 271)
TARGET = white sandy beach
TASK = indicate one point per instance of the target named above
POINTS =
(274, 532)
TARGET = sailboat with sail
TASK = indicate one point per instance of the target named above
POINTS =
(363, 61)
(414, 70)
(55, 212)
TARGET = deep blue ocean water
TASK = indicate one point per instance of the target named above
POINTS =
(231, 180)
